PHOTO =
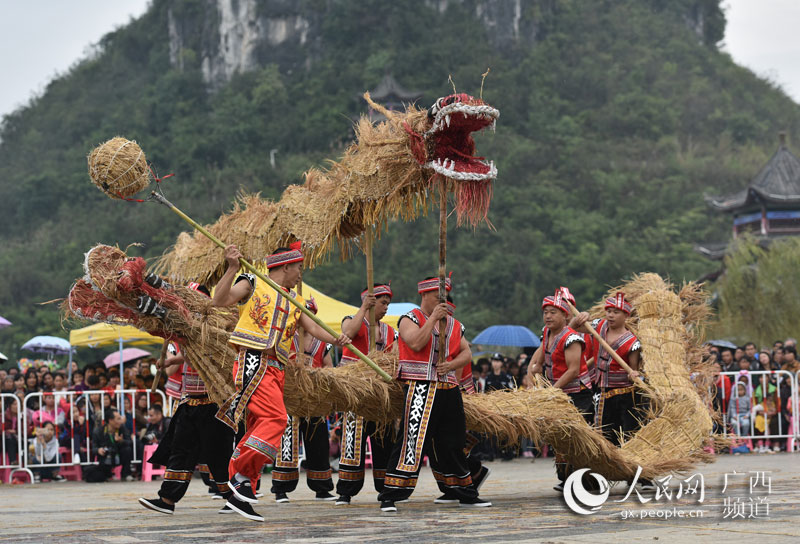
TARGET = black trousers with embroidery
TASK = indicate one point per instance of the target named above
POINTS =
(355, 431)
(286, 473)
(195, 434)
(617, 415)
(584, 402)
(473, 463)
(433, 425)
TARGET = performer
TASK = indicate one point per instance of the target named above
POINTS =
(561, 359)
(314, 431)
(477, 471)
(264, 336)
(194, 433)
(616, 410)
(433, 421)
(355, 429)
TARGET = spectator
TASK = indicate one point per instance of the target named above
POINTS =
(790, 361)
(744, 364)
(738, 355)
(19, 383)
(750, 351)
(498, 379)
(77, 382)
(777, 355)
(728, 363)
(765, 361)
(790, 342)
(130, 420)
(46, 381)
(513, 371)
(140, 414)
(59, 382)
(10, 429)
(777, 344)
(111, 445)
(102, 381)
(739, 411)
(157, 426)
(723, 392)
(8, 384)
(32, 386)
(48, 412)
(138, 381)
(45, 451)
(767, 407)
(113, 382)
(87, 372)
(3, 374)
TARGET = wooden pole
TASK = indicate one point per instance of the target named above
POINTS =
(606, 346)
(373, 325)
(160, 199)
(442, 264)
(161, 359)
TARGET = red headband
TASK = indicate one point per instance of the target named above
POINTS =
(379, 291)
(618, 301)
(567, 295)
(433, 284)
(294, 255)
(451, 308)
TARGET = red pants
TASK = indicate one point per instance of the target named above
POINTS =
(266, 421)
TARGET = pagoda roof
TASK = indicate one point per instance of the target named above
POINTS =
(389, 87)
(777, 183)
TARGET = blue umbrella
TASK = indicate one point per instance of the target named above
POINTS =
(507, 335)
(723, 344)
(47, 344)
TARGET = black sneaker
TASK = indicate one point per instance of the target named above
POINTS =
(559, 487)
(343, 500)
(388, 506)
(225, 510)
(477, 502)
(446, 499)
(258, 493)
(243, 509)
(281, 497)
(158, 505)
(243, 491)
(324, 496)
(59, 478)
(480, 478)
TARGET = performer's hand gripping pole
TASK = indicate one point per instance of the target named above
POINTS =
(608, 348)
(161, 359)
(160, 199)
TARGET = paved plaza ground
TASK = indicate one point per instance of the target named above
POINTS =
(526, 509)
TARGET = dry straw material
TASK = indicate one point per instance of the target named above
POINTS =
(119, 168)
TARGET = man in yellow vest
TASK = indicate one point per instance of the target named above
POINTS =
(263, 335)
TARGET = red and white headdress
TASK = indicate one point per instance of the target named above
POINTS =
(311, 305)
(294, 255)
(556, 301)
(433, 284)
(379, 290)
(567, 295)
(451, 308)
(618, 301)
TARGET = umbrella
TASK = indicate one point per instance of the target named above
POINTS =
(3, 357)
(4, 322)
(507, 335)
(127, 354)
(47, 344)
(724, 344)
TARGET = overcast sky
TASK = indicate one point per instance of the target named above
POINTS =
(40, 39)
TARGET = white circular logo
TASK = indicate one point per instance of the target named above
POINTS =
(576, 496)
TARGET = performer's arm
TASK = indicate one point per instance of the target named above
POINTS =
(537, 362)
(226, 294)
(319, 333)
(461, 360)
(633, 362)
(327, 362)
(417, 337)
(572, 355)
(171, 364)
(351, 325)
(578, 323)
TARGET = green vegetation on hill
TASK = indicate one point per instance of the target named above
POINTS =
(613, 124)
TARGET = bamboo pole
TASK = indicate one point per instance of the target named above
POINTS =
(373, 325)
(442, 265)
(160, 199)
(607, 347)
(161, 359)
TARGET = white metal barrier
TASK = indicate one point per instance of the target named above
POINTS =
(77, 413)
(11, 443)
(742, 424)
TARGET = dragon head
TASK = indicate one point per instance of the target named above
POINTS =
(449, 143)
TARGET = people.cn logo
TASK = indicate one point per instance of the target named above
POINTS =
(579, 499)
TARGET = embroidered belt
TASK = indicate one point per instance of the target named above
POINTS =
(608, 393)
(274, 363)
(439, 385)
(197, 401)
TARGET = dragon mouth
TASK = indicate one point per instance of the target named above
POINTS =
(455, 118)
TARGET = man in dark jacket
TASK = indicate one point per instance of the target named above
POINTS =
(112, 447)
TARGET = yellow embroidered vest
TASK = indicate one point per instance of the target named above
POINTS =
(267, 319)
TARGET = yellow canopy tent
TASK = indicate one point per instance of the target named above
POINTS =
(103, 334)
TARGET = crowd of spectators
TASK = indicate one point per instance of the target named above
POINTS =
(65, 424)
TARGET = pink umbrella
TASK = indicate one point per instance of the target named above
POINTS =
(127, 355)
